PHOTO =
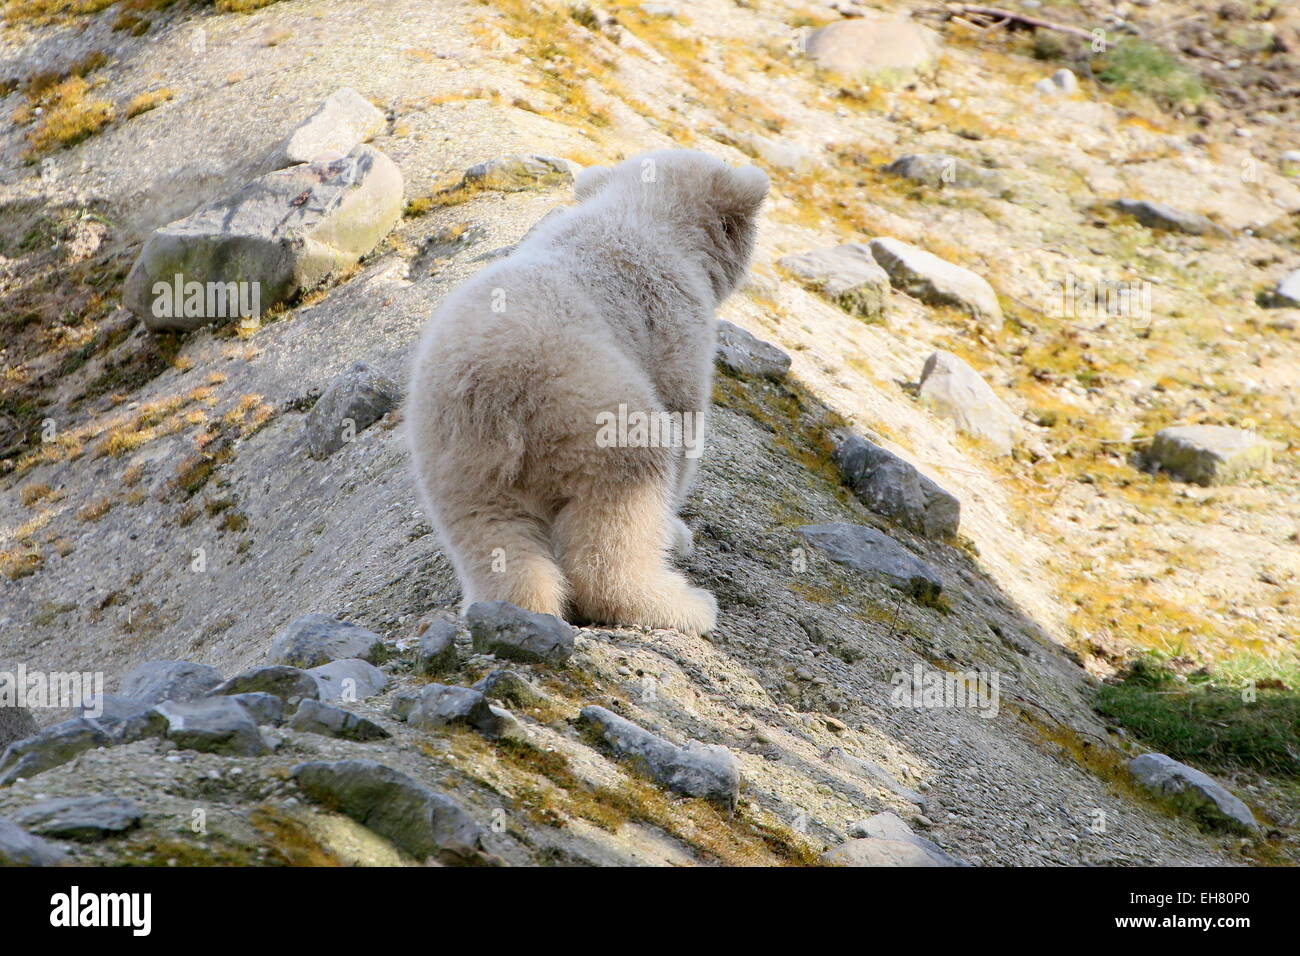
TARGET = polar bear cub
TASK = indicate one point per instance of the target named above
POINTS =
(557, 401)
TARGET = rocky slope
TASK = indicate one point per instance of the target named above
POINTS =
(176, 509)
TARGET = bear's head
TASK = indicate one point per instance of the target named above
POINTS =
(714, 205)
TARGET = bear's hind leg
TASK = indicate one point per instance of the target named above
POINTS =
(612, 541)
(501, 553)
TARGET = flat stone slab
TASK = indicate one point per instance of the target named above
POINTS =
(344, 121)
(279, 235)
(696, 770)
(155, 681)
(872, 851)
(847, 274)
(1196, 792)
(316, 639)
(85, 819)
(940, 170)
(936, 281)
(956, 392)
(313, 717)
(742, 352)
(51, 748)
(1209, 454)
(890, 826)
(866, 549)
(1156, 215)
(350, 680)
(352, 402)
(20, 848)
(513, 634)
(892, 487)
(416, 819)
(213, 725)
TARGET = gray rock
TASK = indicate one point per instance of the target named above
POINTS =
(881, 50)
(263, 707)
(352, 402)
(936, 281)
(316, 639)
(519, 172)
(413, 817)
(348, 680)
(1061, 83)
(892, 487)
(940, 170)
(283, 233)
(1209, 454)
(140, 725)
(748, 354)
(866, 549)
(890, 826)
(1287, 293)
(20, 848)
(404, 701)
(838, 757)
(84, 819)
(956, 392)
(514, 634)
(847, 274)
(289, 684)
(436, 653)
(872, 851)
(1194, 791)
(156, 681)
(213, 725)
(1156, 215)
(513, 689)
(50, 748)
(441, 705)
(313, 717)
(15, 724)
(696, 770)
(344, 121)
(111, 708)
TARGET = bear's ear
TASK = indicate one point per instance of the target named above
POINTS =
(739, 192)
(590, 181)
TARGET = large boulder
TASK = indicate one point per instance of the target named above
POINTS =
(925, 276)
(956, 392)
(748, 354)
(156, 681)
(316, 639)
(350, 680)
(892, 487)
(413, 817)
(513, 634)
(50, 748)
(874, 851)
(866, 549)
(1194, 791)
(340, 124)
(848, 275)
(877, 49)
(353, 401)
(1209, 454)
(213, 725)
(277, 236)
(20, 848)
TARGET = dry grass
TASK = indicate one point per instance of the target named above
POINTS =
(95, 510)
(148, 101)
(68, 115)
(35, 492)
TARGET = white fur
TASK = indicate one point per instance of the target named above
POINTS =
(609, 302)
